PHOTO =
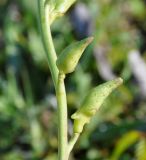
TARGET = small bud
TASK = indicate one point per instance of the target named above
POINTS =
(64, 5)
(68, 59)
(58, 8)
(92, 103)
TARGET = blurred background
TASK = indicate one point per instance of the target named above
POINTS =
(28, 117)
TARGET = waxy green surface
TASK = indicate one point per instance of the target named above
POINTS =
(68, 59)
(92, 103)
(58, 8)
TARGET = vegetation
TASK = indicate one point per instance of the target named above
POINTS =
(28, 108)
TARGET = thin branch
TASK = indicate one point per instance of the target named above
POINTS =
(72, 142)
(47, 39)
(62, 118)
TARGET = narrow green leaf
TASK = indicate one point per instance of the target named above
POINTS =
(125, 142)
(141, 149)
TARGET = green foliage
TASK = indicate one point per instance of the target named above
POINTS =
(27, 99)
(141, 149)
(124, 143)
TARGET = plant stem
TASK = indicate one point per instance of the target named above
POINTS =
(72, 142)
(63, 148)
(62, 118)
(47, 39)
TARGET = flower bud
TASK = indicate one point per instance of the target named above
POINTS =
(92, 103)
(68, 59)
(63, 5)
(58, 8)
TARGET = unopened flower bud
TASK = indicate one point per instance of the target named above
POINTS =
(58, 8)
(68, 59)
(92, 103)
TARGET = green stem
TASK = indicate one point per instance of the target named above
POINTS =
(62, 118)
(63, 148)
(47, 39)
(72, 142)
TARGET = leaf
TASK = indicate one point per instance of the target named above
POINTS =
(141, 149)
(124, 143)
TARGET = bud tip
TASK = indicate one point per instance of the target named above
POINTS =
(89, 40)
(119, 81)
